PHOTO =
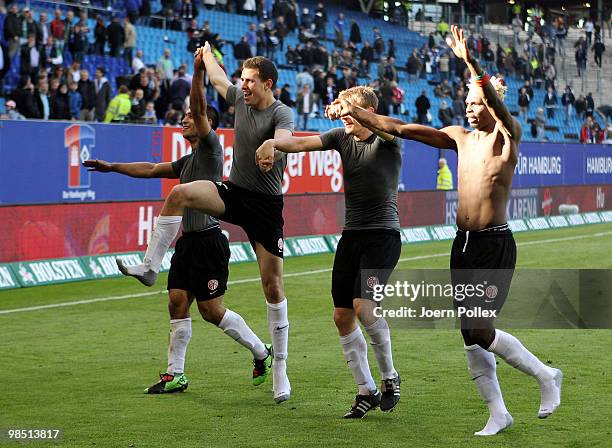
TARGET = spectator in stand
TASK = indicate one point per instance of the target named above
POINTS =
(179, 89)
(367, 53)
(252, 38)
(561, 35)
(11, 111)
(60, 104)
(130, 40)
(444, 66)
(150, 117)
(24, 98)
(249, 7)
(445, 176)
(285, 96)
(590, 105)
(165, 64)
(586, 131)
(132, 8)
(100, 36)
(580, 56)
(339, 30)
(580, 106)
(588, 30)
(74, 73)
(228, 117)
(537, 126)
(50, 55)
(523, 102)
(598, 134)
(29, 27)
(30, 58)
(78, 44)
(445, 114)
(379, 43)
(12, 30)
(42, 103)
(68, 26)
(397, 98)
(242, 51)
(413, 66)
(292, 57)
(423, 105)
(116, 37)
(459, 117)
(598, 50)
(331, 93)
(517, 26)
(43, 29)
(281, 31)
(189, 11)
(103, 94)
(302, 78)
(305, 106)
(137, 63)
(139, 107)
(320, 20)
(443, 89)
(119, 108)
(550, 102)
(567, 101)
(489, 58)
(355, 34)
(87, 91)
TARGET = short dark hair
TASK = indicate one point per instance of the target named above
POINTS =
(123, 89)
(265, 68)
(212, 113)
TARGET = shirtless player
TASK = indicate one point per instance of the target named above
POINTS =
(487, 157)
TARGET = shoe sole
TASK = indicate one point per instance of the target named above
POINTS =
(282, 398)
(172, 391)
(558, 382)
(124, 271)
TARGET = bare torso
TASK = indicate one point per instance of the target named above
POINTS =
(484, 178)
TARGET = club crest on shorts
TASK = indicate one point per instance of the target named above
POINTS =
(281, 244)
(213, 285)
(372, 281)
(491, 291)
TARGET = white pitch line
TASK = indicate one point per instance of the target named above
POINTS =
(291, 274)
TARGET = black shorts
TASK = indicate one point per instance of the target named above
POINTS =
(260, 215)
(362, 250)
(484, 259)
(200, 264)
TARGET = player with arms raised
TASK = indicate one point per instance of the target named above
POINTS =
(487, 157)
(193, 275)
(370, 242)
(250, 198)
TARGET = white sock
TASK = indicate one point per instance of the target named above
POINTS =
(278, 324)
(236, 328)
(380, 340)
(165, 231)
(481, 365)
(180, 335)
(355, 351)
(510, 349)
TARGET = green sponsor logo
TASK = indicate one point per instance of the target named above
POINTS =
(415, 235)
(33, 273)
(592, 218)
(7, 279)
(308, 245)
(575, 220)
(239, 253)
(537, 223)
(558, 221)
(103, 266)
(518, 225)
(443, 232)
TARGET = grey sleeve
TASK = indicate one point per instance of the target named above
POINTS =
(394, 144)
(330, 139)
(177, 165)
(210, 145)
(231, 95)
(283, 118)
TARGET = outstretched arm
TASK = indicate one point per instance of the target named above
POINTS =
(393, 126)
(217, 76)
(265, 155)
(136, 169)
(197, 97)
(492, 101)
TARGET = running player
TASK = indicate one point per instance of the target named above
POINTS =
(251, 199)
(487, 157)
(192, 275)
(370, 241)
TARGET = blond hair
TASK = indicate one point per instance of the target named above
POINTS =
(361, 96)
(498, 84)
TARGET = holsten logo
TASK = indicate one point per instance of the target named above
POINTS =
(79, 140)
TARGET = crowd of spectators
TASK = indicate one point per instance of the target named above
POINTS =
(49, 88)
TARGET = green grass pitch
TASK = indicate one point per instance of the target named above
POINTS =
(83, 368)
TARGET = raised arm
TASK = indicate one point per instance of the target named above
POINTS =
(393, 126)
(265, 154)
(492, 101)
(197, 97)
(217, 76)
(136, 169)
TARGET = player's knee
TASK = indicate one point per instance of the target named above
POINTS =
(273, 289)
(344, 318)
(178, 309)
(482, 337)
(211, 311)
(179, 194)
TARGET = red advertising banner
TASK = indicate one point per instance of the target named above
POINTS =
(70, 230)
(315, 172)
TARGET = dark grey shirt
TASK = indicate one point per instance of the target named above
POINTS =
(252, 127)
(204, 163)
(371, 175)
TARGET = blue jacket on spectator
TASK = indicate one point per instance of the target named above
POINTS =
(75, 101)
